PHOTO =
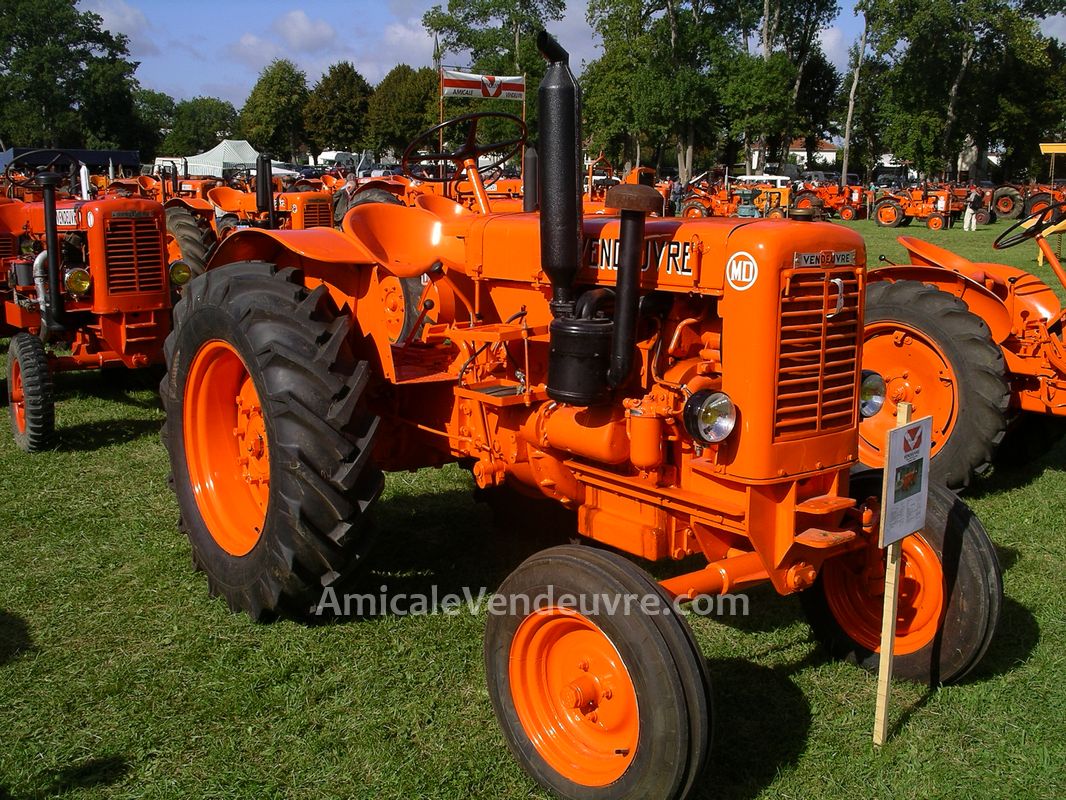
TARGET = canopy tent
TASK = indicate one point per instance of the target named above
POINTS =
(226, 155)
(93, 159)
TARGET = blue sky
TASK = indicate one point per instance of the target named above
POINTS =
(218, 48)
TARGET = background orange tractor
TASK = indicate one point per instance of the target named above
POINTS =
(979, 346)
(687, 387)
(89, 277)
(937, 207)
(847, 202)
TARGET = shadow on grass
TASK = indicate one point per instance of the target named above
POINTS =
(96, 772)
(763, 721)
(96, 435)
(114, 384)
(15, 637)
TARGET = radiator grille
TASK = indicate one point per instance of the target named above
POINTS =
(135, 261)
(817, 363)
(317, 215)
(7, 245)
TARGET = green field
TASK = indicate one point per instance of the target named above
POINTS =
(120, 677)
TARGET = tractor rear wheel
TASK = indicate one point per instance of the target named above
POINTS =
(936, 222)
(937, 355)
(268, 439)
(889, 214)
(30, 396)
(1037, 203)
(1007, 202)
(951, 593)
(597, 701)
(693, 208)
(190, 239)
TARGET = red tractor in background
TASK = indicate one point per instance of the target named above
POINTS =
(977, 345)
(86, 276)
(686, 387)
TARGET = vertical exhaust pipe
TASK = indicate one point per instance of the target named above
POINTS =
(264, 188)
(530, 185)
(52, 322)
(559, 119)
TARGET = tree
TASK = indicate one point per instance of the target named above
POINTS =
(403, 105)
(814, 100)
(273, 116)
(858, 55)
(757, 99)
(154, 113)
(335, 117)
(57, 65)
(199, 124)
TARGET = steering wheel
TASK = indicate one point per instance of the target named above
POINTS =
(18, 180)
(469, 150)
(1039, 222)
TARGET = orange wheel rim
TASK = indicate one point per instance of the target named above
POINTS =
(854, 590)
(803, 202)
(394, 307)
(846, 214)
(226, 447)
(574, 696)
(173, 249)
(916, 372)
(1005, 205)
(936, 223)
(1037, 207)
(18, 396)
(692, 211)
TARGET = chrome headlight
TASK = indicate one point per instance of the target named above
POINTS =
(77, 280)
(180, 274)
(709, 416)
(871, 393)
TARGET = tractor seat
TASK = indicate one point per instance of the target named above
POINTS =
(446, 209)
(226, 198)
(408, 242)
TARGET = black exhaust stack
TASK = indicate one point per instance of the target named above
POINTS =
(264, 188)
(52, 322)
(559, 118)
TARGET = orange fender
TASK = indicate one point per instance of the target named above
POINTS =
(194, 204)
(290, 248)
(980, 300)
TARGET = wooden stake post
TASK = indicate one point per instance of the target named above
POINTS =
(915, 462)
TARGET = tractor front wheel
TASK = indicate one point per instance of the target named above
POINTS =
(935, 354)
(597, 683)
(848, 213)
(983, 216)
(889, 214)
(190, 239)
(936, 222)
(693, 209)
(268, 439)
(30, 398)
(950, 594)
(1037, 203)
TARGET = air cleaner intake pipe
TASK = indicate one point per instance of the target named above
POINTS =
(51, 323)
(558, 108)
(635, 201)
(264, 188)
(530, 187)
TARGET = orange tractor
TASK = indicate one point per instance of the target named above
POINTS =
(847, 202)
(687, 387)
(89, 277)
(979, 346)
(937, 207)
(704, 199)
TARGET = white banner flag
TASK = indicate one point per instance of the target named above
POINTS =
(468, 84)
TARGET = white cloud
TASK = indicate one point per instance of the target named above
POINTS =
(835, 46)
(254, 51)
(303, 34)
(120, 17)
(1055, 27)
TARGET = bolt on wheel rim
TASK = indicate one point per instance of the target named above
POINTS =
(574, 696)
(226, 447)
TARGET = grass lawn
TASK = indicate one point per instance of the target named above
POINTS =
(120, 677)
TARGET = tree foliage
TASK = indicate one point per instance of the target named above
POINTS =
(64, 81)
(335, 116)
(199, 124)
(403, 105)
(273, 115)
